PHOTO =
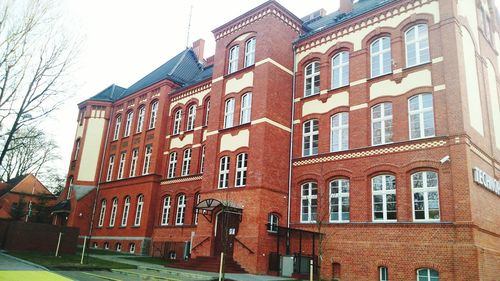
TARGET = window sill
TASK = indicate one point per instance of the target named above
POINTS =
(343, 87)
(417, 65)
(237, 127)
(380, 77)
(136, 226)
(234, 73)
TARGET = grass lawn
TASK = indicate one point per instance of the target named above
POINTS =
(94, 251)
(70, 262)
(152, 260)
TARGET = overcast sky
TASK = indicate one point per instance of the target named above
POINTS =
(122, 41)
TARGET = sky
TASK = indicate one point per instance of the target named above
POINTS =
(120, 41)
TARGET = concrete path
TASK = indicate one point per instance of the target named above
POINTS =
(15, 269)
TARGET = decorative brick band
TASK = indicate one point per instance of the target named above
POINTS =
(183, 179)
(372, 152)
(192, 92)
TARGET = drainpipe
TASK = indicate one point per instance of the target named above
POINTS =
(291, 140)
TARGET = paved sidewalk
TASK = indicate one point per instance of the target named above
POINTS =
(15, 269)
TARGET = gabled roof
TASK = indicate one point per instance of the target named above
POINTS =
(109, 94)
(9, 185)
(336, 18)
(31, 186)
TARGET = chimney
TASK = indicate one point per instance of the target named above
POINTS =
(345, 6)
(198, 47)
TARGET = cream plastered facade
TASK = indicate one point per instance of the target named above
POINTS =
(317, 106)
(235, 85)
(198, 96)
(178, 143)
(384, 20)
(91, 149)
(242, 37)
(232, 143)
(414, 80)
(471, 81)
(79, 129)
(494, 102)
(467, 10)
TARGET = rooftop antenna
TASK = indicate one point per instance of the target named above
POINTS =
(189, 25)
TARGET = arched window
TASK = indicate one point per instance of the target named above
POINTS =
(229, 113)
(241, 169)
(309, 202)
(186, 162)
(233, 59)
(340, 70)
(272, 223)
(147, 159)
(381, 60)
(110, 167)
(224, 172)
(197, 199)
(138, 210)
(70, 188)
(339, 200)
(246, 108)
(118, 247)
(202, 159)
(165, 212)
(118, 123)
(131, 248)
(172, 164)
(126, 208)
(181, 210)
(133, 162)
(310, 138)
(102, 214)
(121, 165)
(383, 273)
(114, 207)
(191, 118)
(128, 124)
(140, 119)
(427, 274)
(250, 52)
(207, 112)
(382, 123)
(339, 132)
(153, 115)
(417, 45)
(106, 245)
(177, 122)
(421, 116)
(77, 149)
(311, 79)
(384, 198)
(424, 187)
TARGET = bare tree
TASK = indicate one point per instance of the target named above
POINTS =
(35, 57)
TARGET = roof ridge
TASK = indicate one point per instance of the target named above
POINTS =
(178, 62)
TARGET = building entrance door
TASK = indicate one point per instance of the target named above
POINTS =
(226, 229)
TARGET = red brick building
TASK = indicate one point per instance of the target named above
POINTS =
(366, 140)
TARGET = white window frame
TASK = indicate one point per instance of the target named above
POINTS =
(165, 212)
(181, 210)
(339, 132)
(118, 124)
(420, 112)
(126, 210)
(147, 159)
(207, 112)
(114, 208)
(310, 136)
(426, 273)
(425, 190)
(379, 56)
(133, 162)
(241, 170)
(233, 59)
(77, 149)
(186, 162)
(246, 108)
(421, 41)
(385, 121)
(383, 273)
(106, 246)
(273, 223)
(250, 52)
(229, 113)
(197, 199)
(121, 165)
(224, 172)
(383, 192)
(118, 247)
(140, 119)
(111, 165)
(202, 159)
(172, 165)
(191, 118)
(138, 210)
(132, 248)
(340, 195)
(102, 213)
(340, 67)
(312, 202)
(177, 122)
(312, 78)
(153, 115)
(128, 124)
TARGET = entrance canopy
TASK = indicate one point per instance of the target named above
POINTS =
(208, 206)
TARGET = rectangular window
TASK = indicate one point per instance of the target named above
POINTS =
(309, 202)
(181, 210)
(382, 123)
(417, 45)
(224, 172)
(381, 59)
(191, 118)
(172, 165)
(186, 162)
(110, 168)
(339, 132)
(165, 214)
(420, 109)
(241, 169)
(310, 138)
(425, 196)
(133, 162)
(147, 159)
(121, 165)
(311, 79)
(384, 198)
(197, 200)
(250, 52)
(202, 159)
(339, 201)
(246, 108)
(177, 122)
(233, 59)
(229, 113)
(340, 70)
(383, 273)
